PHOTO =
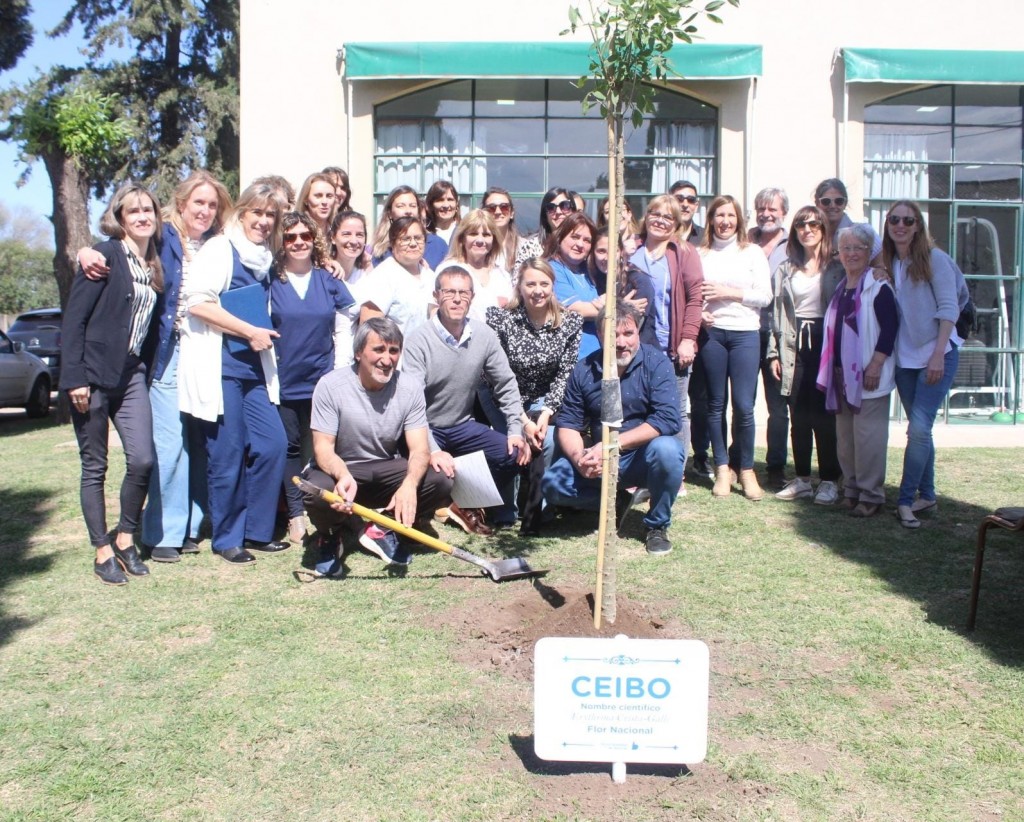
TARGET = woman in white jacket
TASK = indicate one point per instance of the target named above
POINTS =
(228, 376)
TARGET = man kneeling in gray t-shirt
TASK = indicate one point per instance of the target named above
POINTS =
(365, 417)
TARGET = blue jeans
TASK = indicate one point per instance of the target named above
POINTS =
(921, 404)
(656, 466)
(177, 486)
(731, 362)
(470, 436)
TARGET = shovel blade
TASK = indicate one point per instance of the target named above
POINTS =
(515, 568)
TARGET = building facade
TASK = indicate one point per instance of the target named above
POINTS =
(922, 100)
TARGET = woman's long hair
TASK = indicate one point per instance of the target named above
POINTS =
(510, 243)
(435, 193)
(475, 220)
(919, 264)
(319, 254)
(184, 189)
(795, 250)
(707, 241)
(339, 218)
(554, 310)
(381, 244)
(112, 225)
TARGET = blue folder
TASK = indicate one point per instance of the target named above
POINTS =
(249, 304)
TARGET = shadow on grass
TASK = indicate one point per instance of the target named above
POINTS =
(21, 512)
(523, 747)
(933, 565)
(14, 423)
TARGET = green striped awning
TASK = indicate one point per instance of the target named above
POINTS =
(563, 58)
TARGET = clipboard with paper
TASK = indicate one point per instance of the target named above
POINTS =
(474, 485)
(249, 304)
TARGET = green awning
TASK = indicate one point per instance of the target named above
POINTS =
(562, 58)
(933, 66)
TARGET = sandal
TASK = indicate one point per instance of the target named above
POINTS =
(906, 517)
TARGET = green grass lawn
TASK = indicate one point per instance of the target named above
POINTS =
(843, 686)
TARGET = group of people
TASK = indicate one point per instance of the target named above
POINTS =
(235, 345)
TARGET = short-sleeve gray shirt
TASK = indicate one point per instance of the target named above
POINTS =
(367, 425)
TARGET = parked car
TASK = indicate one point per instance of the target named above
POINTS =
(24, 379)
(40, 331)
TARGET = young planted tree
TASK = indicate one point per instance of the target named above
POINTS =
(631, 44)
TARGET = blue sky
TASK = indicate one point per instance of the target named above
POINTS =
(35, 195)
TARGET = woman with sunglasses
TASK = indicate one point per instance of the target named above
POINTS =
(567, 251)
(106, 324)
(228, 376)
(318, 199)
(308, 310)
(555, 206)
(737, 285)
(404, 202)
(401, 287)
(443, 211)
(831, 198)
(497, 202)
(807, 279)
(475, 250)
(927, 346)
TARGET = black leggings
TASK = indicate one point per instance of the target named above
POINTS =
(811, 423)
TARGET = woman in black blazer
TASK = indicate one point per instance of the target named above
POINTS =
(106, 323)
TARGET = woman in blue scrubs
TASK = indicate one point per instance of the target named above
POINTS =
(307, 309)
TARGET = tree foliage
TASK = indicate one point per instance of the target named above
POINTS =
(178, 86)
(26, 277)
(16, 32)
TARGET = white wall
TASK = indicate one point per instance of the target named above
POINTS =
(293, 107)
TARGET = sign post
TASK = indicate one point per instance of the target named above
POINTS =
(621, 700)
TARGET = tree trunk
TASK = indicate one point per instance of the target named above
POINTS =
(611, 401)
(71, 231)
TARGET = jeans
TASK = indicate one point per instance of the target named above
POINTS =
(127, 406)
(921, 403)
(656, 466)
(246, 451)
(731, 361)
(295, 420)
(177, 486)
(467, 437)
(778, 411)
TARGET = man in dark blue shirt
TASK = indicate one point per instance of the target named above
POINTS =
(651, 457)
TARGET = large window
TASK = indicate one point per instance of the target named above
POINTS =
(959, 152)
(529, 135)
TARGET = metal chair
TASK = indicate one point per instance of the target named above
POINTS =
(1009, 519)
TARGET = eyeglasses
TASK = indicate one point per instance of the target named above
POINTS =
(895, 219)
(813, 225)
(565, 206)
(691, 199)
(494, 208)
(852, 249)
(658, 217)
(453, 293)
(827, 201)
(412, 242)
(304, 236)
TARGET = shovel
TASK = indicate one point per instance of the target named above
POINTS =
(499, 570)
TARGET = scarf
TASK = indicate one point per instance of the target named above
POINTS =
(852, 386)
(257, 258)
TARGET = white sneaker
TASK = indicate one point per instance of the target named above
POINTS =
(827, 494)
(795, 489)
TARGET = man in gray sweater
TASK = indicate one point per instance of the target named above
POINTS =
(449, 354)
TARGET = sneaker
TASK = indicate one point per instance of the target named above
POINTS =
(383, 543)
(657, 542)
(798, 489)
(328, 562)
(827, 493)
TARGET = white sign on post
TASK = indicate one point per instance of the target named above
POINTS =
(621, 700)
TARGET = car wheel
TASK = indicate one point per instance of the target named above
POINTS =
(39, 400)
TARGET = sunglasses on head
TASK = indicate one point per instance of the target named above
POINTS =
(566, 206)
(692, 199)
(304, 236)
(827, 201)
(907, 221)
(494, 208)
